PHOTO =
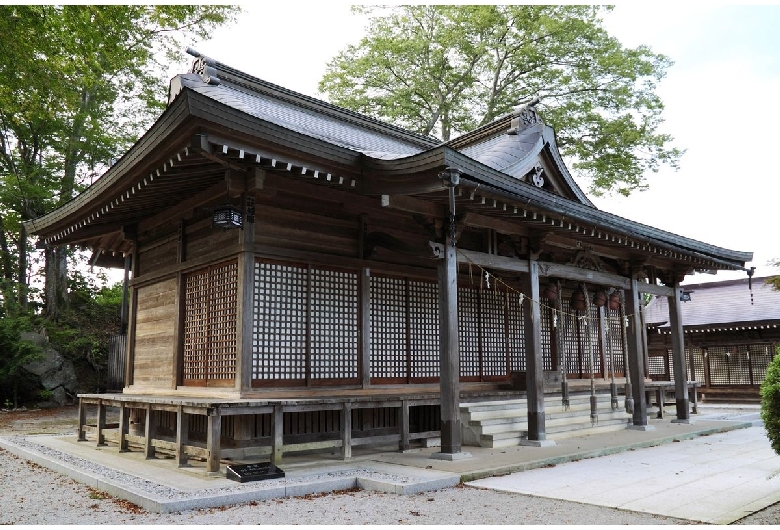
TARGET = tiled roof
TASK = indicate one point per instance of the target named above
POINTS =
(720, 303)
(297, 118)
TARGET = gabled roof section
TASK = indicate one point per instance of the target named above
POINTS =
(721, 304)
(522, 146)
(299, 112)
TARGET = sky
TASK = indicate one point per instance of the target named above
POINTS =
(720, 95)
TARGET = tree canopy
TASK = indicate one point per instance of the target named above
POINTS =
(444, 70)
(77, 85)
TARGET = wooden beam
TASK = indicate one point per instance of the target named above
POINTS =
(184, 207)
(546, 269)
(412, 205)
(420, 184)
(475, 220)
(182, 431)
(365, 327)
(657, 290)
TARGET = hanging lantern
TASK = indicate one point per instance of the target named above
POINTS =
(226, 217)
(577, 301)
(551, 291)
(599, 298)
(614, 301)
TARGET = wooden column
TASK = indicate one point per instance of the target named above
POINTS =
(82, 434)
(213, 435)
(182, 433)
(246, 297)
(277, 442)
(346, 431)
(101, 423)
(124, 426)
(403, 425)
(149, 432)
(678, 356)
(448, 353)
(534, 379)
(635, 346)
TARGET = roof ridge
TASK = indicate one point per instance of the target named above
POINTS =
(236, 77)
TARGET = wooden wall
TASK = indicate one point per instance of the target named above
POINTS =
(155, 326)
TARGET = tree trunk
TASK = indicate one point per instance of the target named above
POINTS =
(56, 287)
(22, 271)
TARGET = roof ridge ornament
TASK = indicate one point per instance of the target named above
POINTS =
(204, 67)
(524, 115)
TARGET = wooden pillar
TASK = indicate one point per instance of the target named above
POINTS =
(346, 431)
(277, 443)
(182, 434)
(365, 328)
(403, 425)
(124, 426)
(534, 379)
(82, 435)
(636, 355)
(448, 353)
(678, 356)
(149, 431)
(213, 435)
(246, 297)
(101, 423)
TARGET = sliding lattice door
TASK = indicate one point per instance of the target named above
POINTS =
(210, 340)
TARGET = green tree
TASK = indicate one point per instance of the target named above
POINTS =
(774, 281)
(77, 85)
(444, 70)
(770, 402)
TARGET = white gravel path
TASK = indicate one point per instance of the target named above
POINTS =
(30, 494)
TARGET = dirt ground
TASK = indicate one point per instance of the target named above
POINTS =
(58, 420)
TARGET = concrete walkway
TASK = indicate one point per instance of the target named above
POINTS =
(718, 472)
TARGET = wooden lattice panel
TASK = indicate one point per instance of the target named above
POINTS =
(424, 322)
(210, 341)
(468, 331)
(493, 322)
(760, 357)
(657, 367)
(334, 324)
(698, 363)
(280, 322)
(388, 328)
(593, 323)
(569, 347)
(718, 356)
(516, 333)
(546, 333)
(615, 346)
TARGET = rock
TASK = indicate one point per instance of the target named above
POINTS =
(55, 372)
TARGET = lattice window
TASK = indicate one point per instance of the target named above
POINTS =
(516, 334)
(545, 310)
(657, 367)
(468, 331)
(305, 324)
(424, 322)
(279, 339)
(334, 324)
(698, 363)
(615, 346)
(720, 371)
(739, 366)
(760, 357)
(569, 343)
(388, 328)
(493, 332)
(210, 341)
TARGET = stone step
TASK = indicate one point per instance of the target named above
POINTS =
(554, 432)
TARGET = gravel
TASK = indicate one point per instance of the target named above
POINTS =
(35, 495)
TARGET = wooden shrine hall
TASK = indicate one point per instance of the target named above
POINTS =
(304, 277)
